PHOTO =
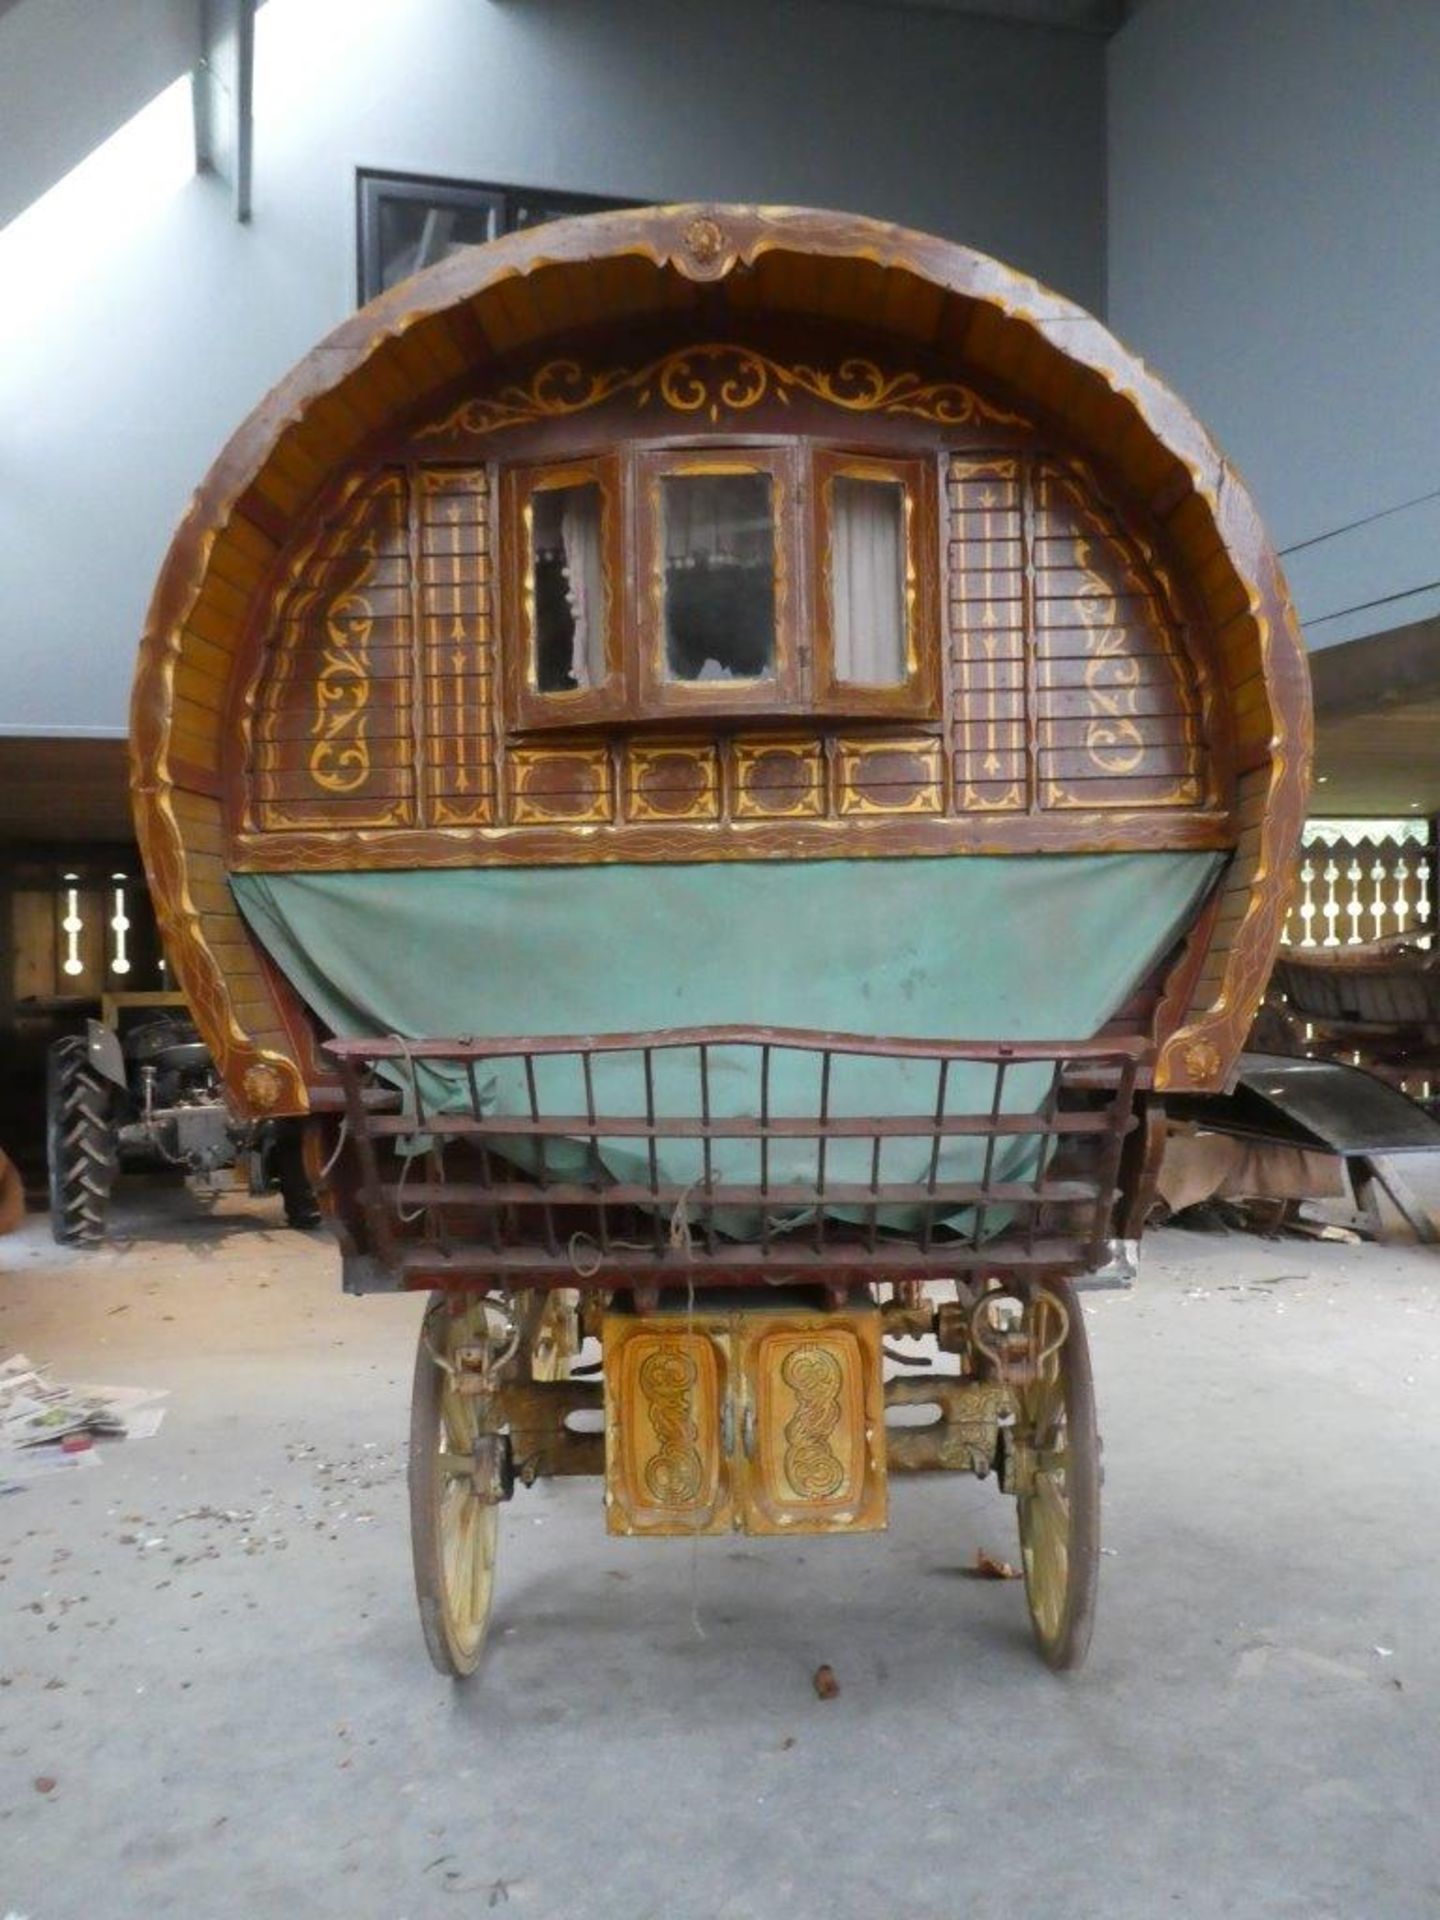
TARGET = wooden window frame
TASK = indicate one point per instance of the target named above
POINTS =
(917, 696)
(529, 707)
(656, 696)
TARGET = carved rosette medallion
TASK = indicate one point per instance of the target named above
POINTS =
(263, 1086)
(1202, 1060)
(704, 242)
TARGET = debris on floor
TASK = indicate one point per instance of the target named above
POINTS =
(988, 1567)
(825, 1683)
(46, 1427)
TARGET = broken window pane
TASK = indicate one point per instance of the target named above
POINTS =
(718, 533)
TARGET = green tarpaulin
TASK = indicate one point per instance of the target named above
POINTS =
(975, 948)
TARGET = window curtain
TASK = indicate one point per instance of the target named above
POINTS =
(584, 584)
(867, 581)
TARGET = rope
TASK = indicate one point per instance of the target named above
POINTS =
(411, 1215)
(586, 1255)
(340, 1140)
(408, 1214)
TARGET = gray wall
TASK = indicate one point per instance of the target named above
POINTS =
(1274, 252)
(72, 71)
(122, 372)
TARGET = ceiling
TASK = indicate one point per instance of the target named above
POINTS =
(1077, 16)
(61, 791)
(1377, 723)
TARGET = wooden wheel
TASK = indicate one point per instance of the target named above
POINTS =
(556, 1339)
(453, 1529)
(1057, 1451)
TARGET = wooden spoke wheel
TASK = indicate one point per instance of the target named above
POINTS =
(1058, 1484)
(453, 1529)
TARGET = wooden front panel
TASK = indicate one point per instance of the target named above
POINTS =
(394, 698)
(732, 322)
(779, 779)
(672, 780)
(1073, 686)
(1118, 718)
(902, 774)
(815, 1448)
(334, 735)
(667, 1469)
(565, 786)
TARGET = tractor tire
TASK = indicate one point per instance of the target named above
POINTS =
(80, 1142)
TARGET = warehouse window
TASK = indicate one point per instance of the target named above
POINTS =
(407, 221)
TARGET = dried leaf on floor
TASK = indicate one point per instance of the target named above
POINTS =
(987, 1567)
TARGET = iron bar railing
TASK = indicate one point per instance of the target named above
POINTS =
(534, 1175)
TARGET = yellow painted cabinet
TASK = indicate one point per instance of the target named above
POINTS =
(765, 1420)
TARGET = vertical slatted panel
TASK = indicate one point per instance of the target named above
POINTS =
(455, 608)
(987, 627)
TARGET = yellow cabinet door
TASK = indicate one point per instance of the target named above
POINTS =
(761, 1420)
(812, 1423)
(668, 1424)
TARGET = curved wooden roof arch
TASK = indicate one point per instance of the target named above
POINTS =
(712, 268)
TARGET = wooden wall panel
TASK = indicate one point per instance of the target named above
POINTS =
(455, 592)
(987, 572)
(1102, 624)
(333, 730)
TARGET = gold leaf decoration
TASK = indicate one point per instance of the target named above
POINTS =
(716, 378)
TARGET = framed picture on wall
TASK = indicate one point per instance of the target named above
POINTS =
(406, 221)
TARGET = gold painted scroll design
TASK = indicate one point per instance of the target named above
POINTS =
(674, 1473)
(1105, 631)
(333, 726)
(816, 1378)
(715, 380)
(340, 732)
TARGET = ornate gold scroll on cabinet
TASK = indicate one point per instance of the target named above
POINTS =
(762, 1421)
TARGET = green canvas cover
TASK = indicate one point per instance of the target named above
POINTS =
(1036, 947)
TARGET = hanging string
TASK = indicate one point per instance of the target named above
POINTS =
(339, 1147)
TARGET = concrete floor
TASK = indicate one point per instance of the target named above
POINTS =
(209, 1643)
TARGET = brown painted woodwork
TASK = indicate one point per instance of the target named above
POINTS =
(653, 694)
(527, 706)
(919, 695)
(1112, 658)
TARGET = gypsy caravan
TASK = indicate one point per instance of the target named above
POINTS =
(725, 761)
